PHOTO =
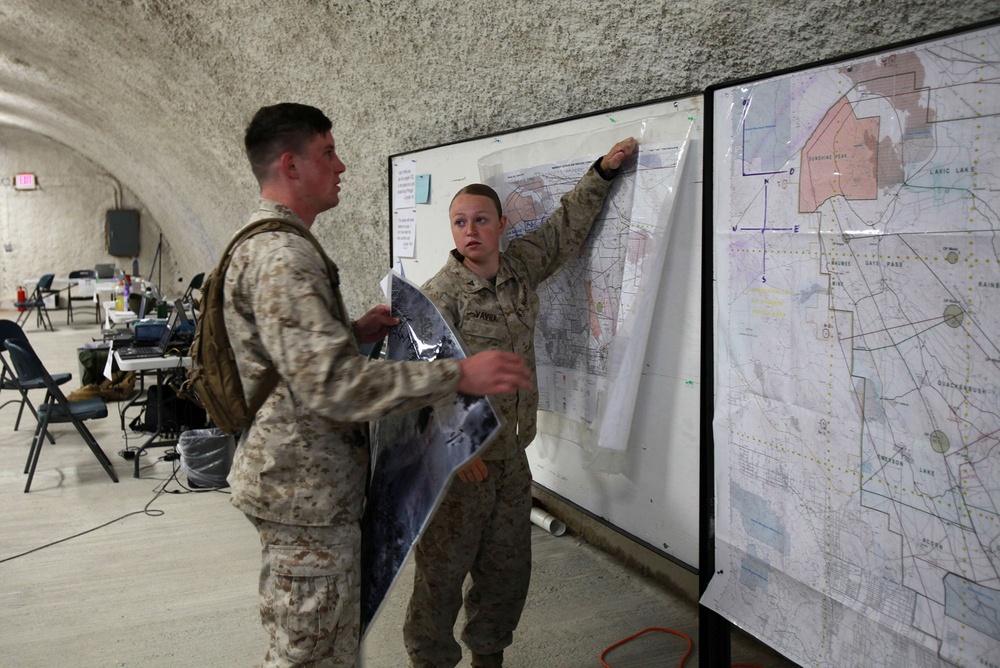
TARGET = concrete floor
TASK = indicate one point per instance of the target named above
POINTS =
(149, 574)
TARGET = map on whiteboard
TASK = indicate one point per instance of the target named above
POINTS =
(857, 424)
(593, 321)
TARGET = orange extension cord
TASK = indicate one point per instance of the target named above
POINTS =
(676, 633)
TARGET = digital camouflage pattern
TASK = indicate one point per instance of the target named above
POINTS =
(299, 471)
(484, 528)
(502, 317)
(304, 459)
(310, 599)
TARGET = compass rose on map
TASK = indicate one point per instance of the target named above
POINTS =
(764, 226)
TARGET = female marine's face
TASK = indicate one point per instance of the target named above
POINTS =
(476, 227)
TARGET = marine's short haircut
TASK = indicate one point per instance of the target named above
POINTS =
(482, 190)
(279, 128)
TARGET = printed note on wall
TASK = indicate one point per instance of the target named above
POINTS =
(404, 179)
(404, 236)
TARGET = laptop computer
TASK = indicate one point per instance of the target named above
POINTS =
(158, 349)
(182, 310)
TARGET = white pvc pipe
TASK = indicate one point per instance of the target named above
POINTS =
(548, 522)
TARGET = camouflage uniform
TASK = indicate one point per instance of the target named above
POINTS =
(483, 528)
(299, 473)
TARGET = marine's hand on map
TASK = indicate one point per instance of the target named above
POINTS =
(474, 471)
(618, 154)
(374, 325)
(494, 372)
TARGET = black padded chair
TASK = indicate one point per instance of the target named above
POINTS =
(36, 302)
(82, 295)
(9, 380)
(56, 409)
(195, 284)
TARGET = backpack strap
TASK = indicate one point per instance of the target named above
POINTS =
(271, 375)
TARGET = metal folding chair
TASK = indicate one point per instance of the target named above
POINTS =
(36, 303)
(9, 380)
(56, 409)
(195, 284)
(82, 295)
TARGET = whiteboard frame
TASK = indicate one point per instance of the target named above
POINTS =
(656, 506)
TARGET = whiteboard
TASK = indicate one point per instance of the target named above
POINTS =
(854, 206)
(654, 499)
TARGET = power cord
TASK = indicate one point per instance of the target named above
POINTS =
(676, 633)
(174, 456)
(644, 631)
(145, 511)
(171, 456)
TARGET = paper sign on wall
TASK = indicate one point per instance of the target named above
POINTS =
(404, 238)
(404, 184)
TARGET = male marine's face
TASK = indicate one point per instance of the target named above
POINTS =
(320, 169)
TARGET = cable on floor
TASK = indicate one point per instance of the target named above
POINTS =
(663, 630)
(184, 488)
(652, 628)
(145, 511)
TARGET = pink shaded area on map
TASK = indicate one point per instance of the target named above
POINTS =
(840, 158)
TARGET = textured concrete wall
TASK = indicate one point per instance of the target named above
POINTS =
(60, 226)
(157, 93)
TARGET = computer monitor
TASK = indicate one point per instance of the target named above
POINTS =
(104, 270)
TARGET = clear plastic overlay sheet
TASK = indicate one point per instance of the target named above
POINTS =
(594, 320)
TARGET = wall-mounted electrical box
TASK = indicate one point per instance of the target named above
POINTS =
(123, 232)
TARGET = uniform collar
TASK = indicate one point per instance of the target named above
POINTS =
(268, 208)
(470, 280)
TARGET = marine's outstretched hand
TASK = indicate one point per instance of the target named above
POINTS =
(618, 154)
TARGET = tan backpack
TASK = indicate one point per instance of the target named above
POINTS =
(213, 381)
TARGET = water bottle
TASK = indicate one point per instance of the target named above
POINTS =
(120, 296)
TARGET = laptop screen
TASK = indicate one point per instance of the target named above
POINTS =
(168, 331)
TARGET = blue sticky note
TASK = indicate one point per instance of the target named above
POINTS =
(423, 188)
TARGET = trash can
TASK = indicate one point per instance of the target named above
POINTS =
(206, 457)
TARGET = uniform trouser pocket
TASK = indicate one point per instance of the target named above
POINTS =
(310, 600)
(310, 594)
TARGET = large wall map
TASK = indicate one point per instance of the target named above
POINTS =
(594, 319)
(857, 424)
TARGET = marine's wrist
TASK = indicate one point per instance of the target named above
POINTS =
(606, 174)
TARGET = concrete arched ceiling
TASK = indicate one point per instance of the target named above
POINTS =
(158, 92)
(120, 84)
